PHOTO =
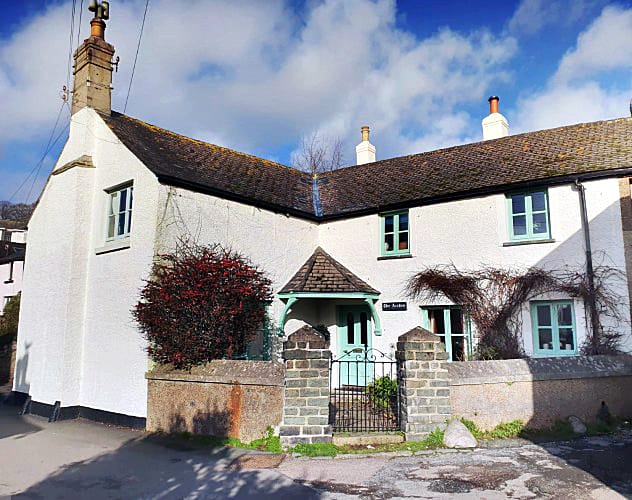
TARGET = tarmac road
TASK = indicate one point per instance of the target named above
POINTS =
(80, 459)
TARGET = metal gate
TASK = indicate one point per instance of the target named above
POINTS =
(363, 394)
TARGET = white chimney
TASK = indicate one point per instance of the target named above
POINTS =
(495, 125)
(365, 151)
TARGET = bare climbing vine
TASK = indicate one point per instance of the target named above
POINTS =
(494, 299)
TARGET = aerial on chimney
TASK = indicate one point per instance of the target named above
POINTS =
(495, 125)
(365, 151)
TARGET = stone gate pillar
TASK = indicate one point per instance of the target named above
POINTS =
(424, 388)
(306, 407)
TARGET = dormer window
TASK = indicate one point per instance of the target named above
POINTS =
(119, 212)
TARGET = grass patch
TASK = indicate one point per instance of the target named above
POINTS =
(433, 440)
(504, 430)
(269, 442)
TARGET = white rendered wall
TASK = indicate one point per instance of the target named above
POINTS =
(470, 233)
(77, 343)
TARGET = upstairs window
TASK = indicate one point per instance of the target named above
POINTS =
(528, 215)
(395, 233)
(119, 213)
(553, 328)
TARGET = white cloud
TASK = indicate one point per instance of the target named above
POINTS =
(257, 75)
(581, 90)
(531, 16)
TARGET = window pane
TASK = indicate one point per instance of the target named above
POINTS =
(388, 242)
(567, 343)
(364, 328)
(520, 225)
(403, 241)
(350, 328)
(442, 340)
(517, 204)
(456, 321)
(129, 220)
(539, 224)
(564, 315)
(112, 208)
(131, 196)
(122, 200)
(437, 324)
(111, 226)
(538, 202)
(545, 338)
(120, 228)
(458, 351)
(403, 222)
(543, 315)
(388, 224)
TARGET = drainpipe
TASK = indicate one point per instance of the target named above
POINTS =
(590, 274)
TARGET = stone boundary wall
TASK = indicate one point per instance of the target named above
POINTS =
(306, 413)
(7, 363)
(540, 391)
(224, 398)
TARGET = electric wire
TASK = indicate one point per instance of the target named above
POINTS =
(80, 19)
(35, 170)
(70, 44)
(140, 36)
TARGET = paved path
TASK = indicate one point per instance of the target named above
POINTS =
(80, 459)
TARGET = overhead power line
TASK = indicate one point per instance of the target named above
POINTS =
(140, 36)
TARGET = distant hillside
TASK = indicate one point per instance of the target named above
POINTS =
(15, 211)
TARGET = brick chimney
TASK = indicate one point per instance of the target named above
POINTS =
(365, 151)
(495, 125)
(93, 65)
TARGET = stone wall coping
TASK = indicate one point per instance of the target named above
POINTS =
(533, 369)
(224, 371)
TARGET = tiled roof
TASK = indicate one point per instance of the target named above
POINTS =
(178, 159)
(468, 170)
(322, 273)
(12, 224)
(498, 163)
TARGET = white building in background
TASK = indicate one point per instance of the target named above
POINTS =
(12, 250)
(339, 247)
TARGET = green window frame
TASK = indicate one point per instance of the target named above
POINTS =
(452, 334)
(554, 330)
(395, 233)
(528, 215)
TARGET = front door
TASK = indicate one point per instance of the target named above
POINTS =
(354, 332)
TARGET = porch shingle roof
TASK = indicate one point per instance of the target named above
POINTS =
(324, 274)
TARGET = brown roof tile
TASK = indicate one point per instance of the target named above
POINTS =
(457, 172)
(324, 274)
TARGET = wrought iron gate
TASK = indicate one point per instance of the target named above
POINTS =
(363, 393)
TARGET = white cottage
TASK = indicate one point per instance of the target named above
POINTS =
(338, 247)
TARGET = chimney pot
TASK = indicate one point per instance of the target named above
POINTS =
(365, 133)
(97, 28)
(493, 104)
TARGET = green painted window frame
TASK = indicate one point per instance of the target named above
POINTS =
(528, 214)
(467, 328)
(555, 329)
(396, 233)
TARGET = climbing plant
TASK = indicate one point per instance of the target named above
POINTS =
(494, 297)
(201, 303)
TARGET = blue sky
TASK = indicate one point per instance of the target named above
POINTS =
(256, 76)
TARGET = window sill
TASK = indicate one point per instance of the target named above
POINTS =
(389, 257)
(555, 355)
(113, 246)
(527, 242)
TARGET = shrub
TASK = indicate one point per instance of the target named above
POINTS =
(381, 391)
(10, 318)
(202, 303)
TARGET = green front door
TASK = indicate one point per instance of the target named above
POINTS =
(354, 333)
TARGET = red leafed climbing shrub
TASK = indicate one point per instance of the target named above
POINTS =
(202, 303)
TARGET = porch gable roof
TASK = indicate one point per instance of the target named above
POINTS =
(321, 273)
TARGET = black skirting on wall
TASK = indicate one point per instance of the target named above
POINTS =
(71, 412)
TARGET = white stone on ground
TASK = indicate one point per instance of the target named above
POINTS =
(578, 426)
(458, 436)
